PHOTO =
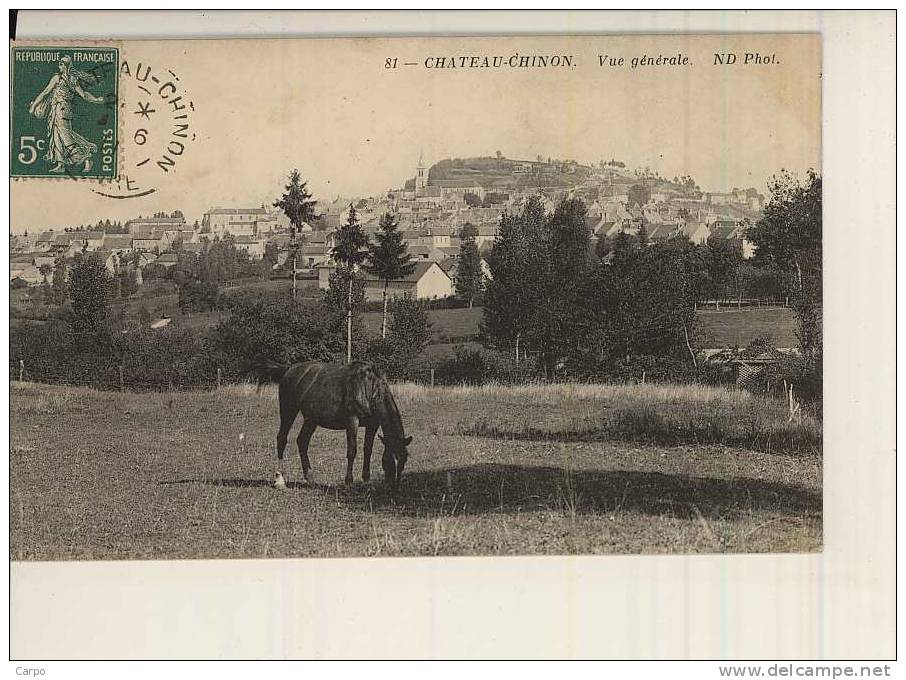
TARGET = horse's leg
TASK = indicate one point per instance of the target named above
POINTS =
(288, 413)
(370, 432)
(352, 431)
(303, 440)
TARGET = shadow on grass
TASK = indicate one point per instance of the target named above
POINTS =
(513, 489)
(802, 439)
(237, 483)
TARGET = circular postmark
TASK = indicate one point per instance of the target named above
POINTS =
(156, 112)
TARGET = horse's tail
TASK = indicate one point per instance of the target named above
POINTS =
(266, 371)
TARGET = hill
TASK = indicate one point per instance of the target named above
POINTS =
(506, 173)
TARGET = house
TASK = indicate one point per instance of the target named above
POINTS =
(487, 233)
(145, 258)
(313, 255)
(238, 221)
(148, 241)
(29, 274)
(432, 237)
(450, 266)
(194, 248)
(171, 236)
(149, 224)
(324, 271)
(117, 242)
(77, 241)
(111, 259)
(734, 230)
(45, 241)
(167, 260)
(697, 232)
(250, 244)
(662, 232)
(328, 239)
(427, 281)
(44, 260)
(426, 253)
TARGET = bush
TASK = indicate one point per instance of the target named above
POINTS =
(647, 368)
(148, 359)
(198, 296)
(481, 366)
(168, 358)
(280, 330)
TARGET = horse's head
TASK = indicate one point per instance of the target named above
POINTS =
(396, 454)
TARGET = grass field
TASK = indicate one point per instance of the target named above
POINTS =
(550, 469)
(715, 329)
(738, 327)
(728, 327)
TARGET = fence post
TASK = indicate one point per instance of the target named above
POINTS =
(218, 378)
(432, 377)
(122, 381)
(21, 370)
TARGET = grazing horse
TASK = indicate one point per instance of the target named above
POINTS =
(338, 398)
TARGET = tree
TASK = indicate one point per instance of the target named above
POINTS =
(472, 200)
(269, 259)
(410, 328)
(535, 265)
(638, 305)
(124, 277)
(511, 297)
(89, 287)
(468, 230)
(196, 295)
(409, 331)
(643, 235)
(638, 194)
(722, 257)
(388, 259)
(45, 270)
(281, 330)
(58, 284)
(469, 277)
(349, 252)
(565, 260)
(298, 206)
(788, 239)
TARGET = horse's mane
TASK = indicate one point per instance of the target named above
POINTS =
(369, 395)
(367, 388)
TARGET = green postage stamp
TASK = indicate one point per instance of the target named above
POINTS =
(63, 112)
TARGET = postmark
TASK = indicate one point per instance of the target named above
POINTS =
(156, 110)
(64, 110)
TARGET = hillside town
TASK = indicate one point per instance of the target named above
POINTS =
(432, 208)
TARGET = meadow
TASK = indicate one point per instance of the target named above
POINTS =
(493, 470)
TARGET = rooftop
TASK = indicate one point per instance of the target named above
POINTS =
(417, 273)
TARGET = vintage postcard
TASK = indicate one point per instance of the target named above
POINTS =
(567, 290)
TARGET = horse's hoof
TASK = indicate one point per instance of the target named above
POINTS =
(279, 482)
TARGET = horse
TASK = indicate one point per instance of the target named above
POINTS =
(338, 398)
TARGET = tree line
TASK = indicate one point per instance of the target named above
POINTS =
(584, 312)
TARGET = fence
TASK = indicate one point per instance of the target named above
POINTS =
(738, 303)
(116, 377)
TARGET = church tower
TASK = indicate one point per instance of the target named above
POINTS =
(421, 175)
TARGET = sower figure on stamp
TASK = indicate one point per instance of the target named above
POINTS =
(64, 145)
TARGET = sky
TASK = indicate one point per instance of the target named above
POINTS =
(353, 127)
